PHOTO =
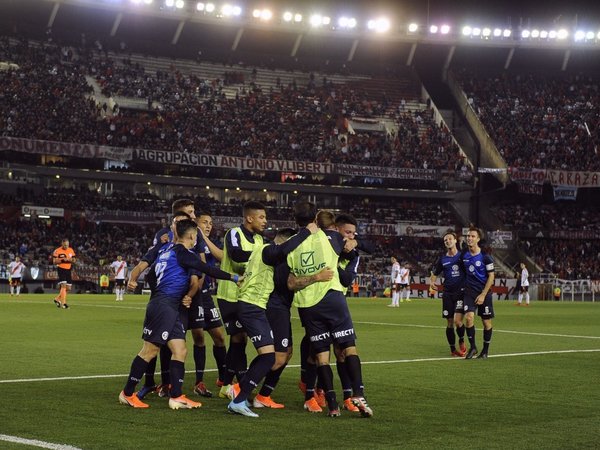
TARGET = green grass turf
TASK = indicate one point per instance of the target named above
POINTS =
(421, 397)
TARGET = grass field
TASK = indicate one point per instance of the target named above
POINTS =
(61, 372)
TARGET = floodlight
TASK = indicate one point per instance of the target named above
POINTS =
(590, 35)
(200, 6)
(486, 32)
(136, 2)
(552, 34)
(506, 33)
(179, 4)
(467, 31)
(297, 18)
(598, 35)
(433, 29)
(544, 34)
(562, 34)
(445, 29)
(169, 3)
(256, 13)
(237, 10)
(497, 32)
(413, 27)
(287, 16)
(230, 10)
(476, 31)
(535, 34)
(210, 7)
(525, 34)
(326, 20)
(579, 35)
(352, 22)
(347, 22)
(266, 14)
(148, 2)
(316, 20)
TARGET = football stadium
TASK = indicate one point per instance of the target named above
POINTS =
(377, 221)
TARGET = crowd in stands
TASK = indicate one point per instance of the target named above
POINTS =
(569, 259)
(555, 216)
(539, 121)
(48, 97)
(95, 244)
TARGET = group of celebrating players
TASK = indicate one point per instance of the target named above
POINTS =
(259, 281)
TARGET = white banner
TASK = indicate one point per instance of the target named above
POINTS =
(42, 211)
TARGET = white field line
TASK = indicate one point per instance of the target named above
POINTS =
(408, 325)
(36, 443)
(397, 361)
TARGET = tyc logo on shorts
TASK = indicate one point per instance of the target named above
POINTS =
(147, 331)
(256, 338)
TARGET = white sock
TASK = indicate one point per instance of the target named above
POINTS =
(394, 298)
(12, 290)
(18, 290)
(520, 297)
(527, 298)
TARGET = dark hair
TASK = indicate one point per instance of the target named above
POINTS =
(345, 219)
(184, 226)
(477, 230)
(181, 214)
(64, 240)
(325, 219)
(304, 213)
(450, 232)
(252, 206)
(203, 212)
(181, 203)
(285, 233)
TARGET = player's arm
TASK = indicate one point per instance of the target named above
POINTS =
(435, 271)
(365, 245)
(234, 247)
(193, 289)
(336, 240)
(489, 267)
(214, 250)
(295, 283)
(348, 274)
(135, 274)
(190, 260)
(274, 254)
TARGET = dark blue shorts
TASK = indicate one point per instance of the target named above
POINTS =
(328, 321)
(229, 313)
(452, 302)
(212, 317)
(195, 313)
(485, 310)
(254, 320)
(162, 324)
(120, 282)
(279, 320)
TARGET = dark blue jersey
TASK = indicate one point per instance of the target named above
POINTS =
(281, 297)
(348, 273)
(202, 249)
(454, 272)
(477, 269)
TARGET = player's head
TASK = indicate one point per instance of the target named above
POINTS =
(522, 265)
(394, 260)
(304, 213)
(204, 221)
(406, 265)
(346, 225)
(325, 220)
(283, 234)
(255, 216)
(17, 258)
(64, 243)
(177, 217)
(183, 204)
(119, 258)
(450, 240)
(187, 232)
(474, 235)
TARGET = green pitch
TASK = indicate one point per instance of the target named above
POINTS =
(62, 370)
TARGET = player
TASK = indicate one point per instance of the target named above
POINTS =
(119, 269)
(162, 324)
(405, 282)
(239, 244)
(207, 315)
(524, 291)
(15, 273)
(451, 266)
(63, 257)
(323, 308)
(253, 297)
(479, 280)
(395, 283)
